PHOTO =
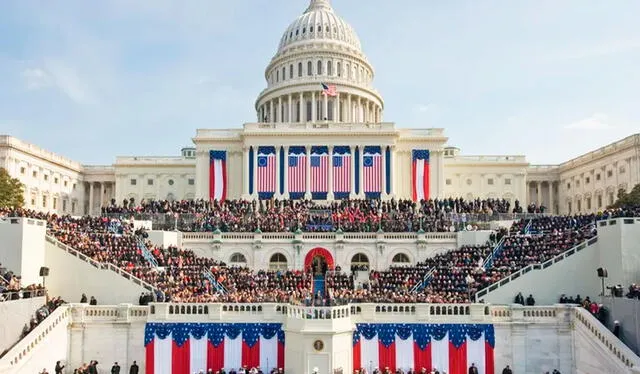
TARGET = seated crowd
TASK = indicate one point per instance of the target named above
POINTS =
(183, 276)
(40, 315)
(291, 215)
(12, 289)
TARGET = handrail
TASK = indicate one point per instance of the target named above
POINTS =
(539, 266)
(146, 253)
(35, 338)
(527, 228)
(220, 288)
(608, 341)
(208, 235)
(102, 265)
(488, 262)
(423, 283)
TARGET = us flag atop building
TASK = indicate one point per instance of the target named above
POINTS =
(341, 172)
(296, 172)
(266, 172)
(329, 90)
(319, 172)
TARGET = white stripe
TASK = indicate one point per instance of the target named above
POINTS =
(475, 353)
(268, 353)
(218, 188)
(369, 356)
(440, 354)
(162, 352)
(232, 352)
(198, 348)
(419, 182)
(404, 353)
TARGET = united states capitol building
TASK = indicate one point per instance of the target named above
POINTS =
(294, 117)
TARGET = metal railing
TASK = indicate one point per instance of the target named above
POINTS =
(146, 253)
(488, 262)
(425, 281)
(219, 287)
(540, 266)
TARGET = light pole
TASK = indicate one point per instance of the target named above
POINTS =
(379, 220)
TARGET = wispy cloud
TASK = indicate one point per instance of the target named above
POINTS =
(36, 78)
(598, 121)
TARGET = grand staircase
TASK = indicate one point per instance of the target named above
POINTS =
(318, 284)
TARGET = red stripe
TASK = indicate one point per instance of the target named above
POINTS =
(224, 180)
(421, 358)
(425, 179)
(457, 359)
(148, 357)
(212, 179)
(414, 180)
(357, 357)
(215, 356)
(489, 365)
(250, 355)
(280, 355)
(180, 358)
(387, 356)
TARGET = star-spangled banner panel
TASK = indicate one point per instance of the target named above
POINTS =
(424, 333)
(215, 332)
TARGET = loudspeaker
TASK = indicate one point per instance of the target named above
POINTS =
(44, 271)
(602, 273)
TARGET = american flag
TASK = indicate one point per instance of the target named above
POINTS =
(297, 168)
(371, 164)
(319, 172)
(267, 172)
(342, 172)
(329, 90)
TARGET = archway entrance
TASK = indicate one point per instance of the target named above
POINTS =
(318, 261)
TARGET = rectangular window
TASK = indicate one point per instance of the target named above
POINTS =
(568, 186)
(44, 201)
(55, 180)
(598, 176)
(33, 201)
(35, 174)
(599, 201)
(73, 207)
(490, 181)
(448, 182)
(55, 203)
(507, 181)
(587, 180)
(74, 187)
(192, 182)
(579, 207)
(309, 114)
(22, 170)
(577, 183)
(133, 182)
(150, 182)
(588, 203)
(64, 206)
(622, 170)
(609, 173)
(46, 177)
(610, 198)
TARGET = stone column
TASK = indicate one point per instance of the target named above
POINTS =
(255, 173)
(338, 107)
(285, 195)
(307, 194)
(290, 119)
(325, 110)
(90, 198)
(330, 176)
(278, 166)
(245, 172)
(383, 173)
(551, 203)
(361, 171)
(352, 148)
(314, 110)
(539, 193)
(303, 108)
(280, 119)
(102, 192)
(271, 118)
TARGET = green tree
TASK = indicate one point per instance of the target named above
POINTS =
(631, 198)
(11, 193)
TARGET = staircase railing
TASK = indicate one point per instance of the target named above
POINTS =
(569, 252)
(146, 253)
(488, 262)
(209, 275)
(527, 228)
(425, 281)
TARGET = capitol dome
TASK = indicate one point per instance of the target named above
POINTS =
(319, 73)
(320, 23)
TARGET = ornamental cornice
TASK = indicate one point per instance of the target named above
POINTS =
(321, 47)
(315, 54)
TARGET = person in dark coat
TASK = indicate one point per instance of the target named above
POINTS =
(473, 369)
(115, 369)
(507, 370)
(59, 367)
(134, 368)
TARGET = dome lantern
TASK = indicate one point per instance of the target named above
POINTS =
(319, 4)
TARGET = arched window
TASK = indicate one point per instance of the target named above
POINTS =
(284, 75)
(291, 71)
(338, 69)
(329, 68)
(400, 258)
(319, 71)
(277, 75)
(309, 114)
(278, 262)
(299, 69)
(360, 262)
(238, 259)
(330, 110)
(309, 68)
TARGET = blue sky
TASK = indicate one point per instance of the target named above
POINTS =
(550, 79)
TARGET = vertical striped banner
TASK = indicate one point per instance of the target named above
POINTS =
(341, 172)
(266, 172)
(297, 172)
(319, 172)
(372, 165)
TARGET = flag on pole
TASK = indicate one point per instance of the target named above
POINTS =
(450, 348)
(420, 174)
(266, 172)
(329, 90)
(341, 172)
(297, 172)
(190, 347)
(217, 175)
